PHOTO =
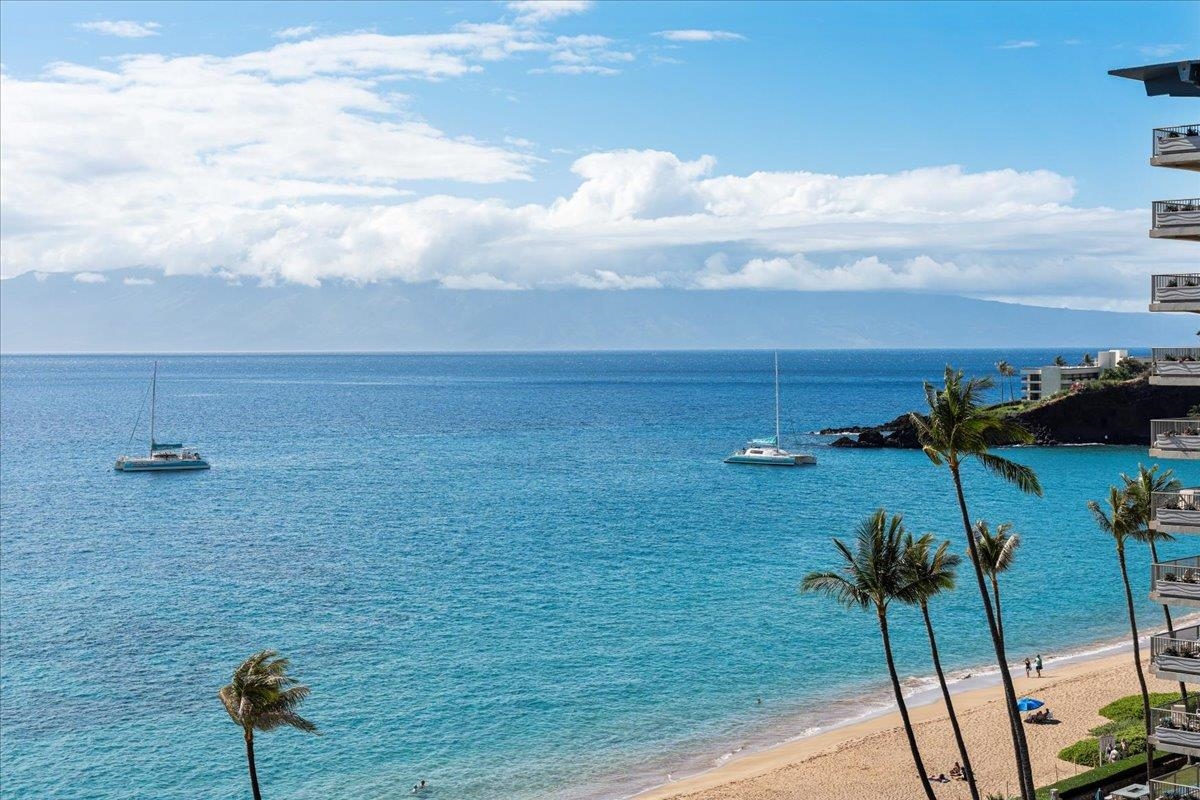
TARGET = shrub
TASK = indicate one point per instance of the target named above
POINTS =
(1097, 776)
(1130, 708)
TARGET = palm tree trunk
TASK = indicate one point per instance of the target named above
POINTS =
(968, 772)
(908, 729)
(1137, 662)
(999, 614)
(250, 761)
(1167, 616)
(1020, 745)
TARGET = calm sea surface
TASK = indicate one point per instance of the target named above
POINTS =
(526, 576)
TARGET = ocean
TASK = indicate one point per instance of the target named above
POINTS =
(517, 575)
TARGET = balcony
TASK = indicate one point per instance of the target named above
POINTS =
(1176, 512)
(1177, 147)
(1175, 219)
(1175, 366)
(1176, 656)
(1176, 728)
(1178, 292)
(1176, 582)
(1182, 784)
(1175, 438)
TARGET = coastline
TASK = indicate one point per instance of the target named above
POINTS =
(1078, 681)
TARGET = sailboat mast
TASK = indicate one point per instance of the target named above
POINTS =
(778, 442)
(153, 398)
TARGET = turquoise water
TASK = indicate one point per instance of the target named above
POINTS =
(527, 575)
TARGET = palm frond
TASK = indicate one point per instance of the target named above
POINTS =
(1020, 475)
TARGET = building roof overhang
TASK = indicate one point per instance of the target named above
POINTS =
(1174, 79)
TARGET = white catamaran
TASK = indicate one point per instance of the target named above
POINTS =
(163, 457)
(767, 452)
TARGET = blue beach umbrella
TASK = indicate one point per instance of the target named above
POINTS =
(1028, 704)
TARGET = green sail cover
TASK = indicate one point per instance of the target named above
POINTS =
(156, 446)
(768, 442)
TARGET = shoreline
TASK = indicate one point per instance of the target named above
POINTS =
(978, 691)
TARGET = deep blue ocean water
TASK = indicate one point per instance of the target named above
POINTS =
(526, 576)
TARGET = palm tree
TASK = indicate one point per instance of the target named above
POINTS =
(930, 572)
(1006, 371)
(960, 429)
(1139, 491)
(997, 552)
(1119, 523)
(871, 575)
(262, 696)
(1059, 361)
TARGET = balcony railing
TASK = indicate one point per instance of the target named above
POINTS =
(1178, 288)
(1176, 726)
(1182, 784)
(1177, 140)
(1176, 580)
(1178, 652)
(1178, 436)
(1176, 362)
(1176, 213)
(1175, 509)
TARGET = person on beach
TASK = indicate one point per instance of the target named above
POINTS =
(1028, 667)
(1038, 664)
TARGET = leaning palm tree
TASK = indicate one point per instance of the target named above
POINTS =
(1119, 523)
(1006, 371)
(1139, 492)
(929, 572)
(960, 429)
(997, 551)
(871, 575)
(262, 696)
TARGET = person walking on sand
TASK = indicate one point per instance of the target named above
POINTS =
(1038, 664)
(1028, 667)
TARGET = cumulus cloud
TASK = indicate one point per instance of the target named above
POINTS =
(695, 35)
(303, 163)
(90, 277)
(1019, 44)
(138, 281)
(123, 28)
(536, 12)
(295, 32)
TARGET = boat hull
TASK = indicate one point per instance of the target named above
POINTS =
(156, 465)
(771, 461)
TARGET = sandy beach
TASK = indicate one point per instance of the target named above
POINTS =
(871, 759)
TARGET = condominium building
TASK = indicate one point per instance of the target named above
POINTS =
(1039, 382)
(1175, 654)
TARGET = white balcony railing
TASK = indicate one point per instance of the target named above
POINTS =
(1168, 214)
(1182, 784)
(1176, 436)
(1177, 653)
(1177, 140)
(1176, 727)
(1178, 579)
(1176, 362)
(1176, 288)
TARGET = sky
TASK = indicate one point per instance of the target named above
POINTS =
(974, 149)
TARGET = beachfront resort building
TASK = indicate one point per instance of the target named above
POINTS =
(1175, 654)
(1039, 382)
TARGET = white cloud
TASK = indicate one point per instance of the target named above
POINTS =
(90, 277)
(1019, 44)
(536, 12)
(295, 32)
(123, 28)
(695, 35)
(303, 163)
(138, 281)
(1160, 50)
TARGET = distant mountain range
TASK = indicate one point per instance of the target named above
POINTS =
(129, 313)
